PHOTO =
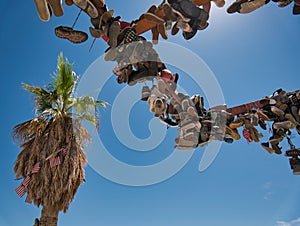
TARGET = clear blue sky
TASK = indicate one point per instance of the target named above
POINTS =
(250, 55)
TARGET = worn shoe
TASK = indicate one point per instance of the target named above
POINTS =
(232, 132)
(235, 7)
(284, 125)
(68, 33)
(160, 107)
(276, 148)
(174, 29)
(277, 111)
(296, 9)
(87, 7)
(266, 147)
(189, 35)
(42, 9)
(235, 125)
(251, 6)
(284, 3)
(56, 7)
(113, 33)
(262, 124)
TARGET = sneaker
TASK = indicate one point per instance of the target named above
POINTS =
(266, 147)
(68, 33)
(146, 92)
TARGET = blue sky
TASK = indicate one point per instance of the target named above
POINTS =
(250, 55)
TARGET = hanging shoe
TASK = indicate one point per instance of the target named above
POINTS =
(235, 6)
(189, 35)
(262, 124)
(266, 147)
(113, 33)
(296, 9)
(68, 33)
(284, 3)
(42, 9)
(87, 7)
(56, 7)
(69, 2)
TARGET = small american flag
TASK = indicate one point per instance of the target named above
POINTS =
(246, 134)
(20, 190)
(28, 199)
(54, 162)
(26, 181)
(36, 168)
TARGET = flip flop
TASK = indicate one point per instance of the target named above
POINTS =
(42, 9)
(87, 7)
(56, 7)
(68, 33)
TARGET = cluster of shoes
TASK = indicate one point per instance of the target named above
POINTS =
(137, 59)
(186, 15)
(283, 110)
(248, 6)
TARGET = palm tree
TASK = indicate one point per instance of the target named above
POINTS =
(52, 158)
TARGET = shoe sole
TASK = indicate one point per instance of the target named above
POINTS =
(87, 7)
(42, 9)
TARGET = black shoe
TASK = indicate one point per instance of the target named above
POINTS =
(296, 10)
(189, 35)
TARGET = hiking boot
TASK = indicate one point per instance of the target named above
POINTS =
(146, 92)
(87, 7)
(266, 147)
(68, 33)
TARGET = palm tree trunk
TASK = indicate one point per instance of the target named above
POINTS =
(49, 217)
